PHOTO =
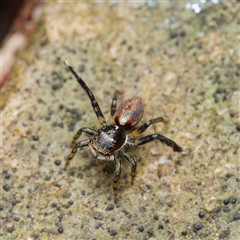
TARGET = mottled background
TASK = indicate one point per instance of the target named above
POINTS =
(182, 58)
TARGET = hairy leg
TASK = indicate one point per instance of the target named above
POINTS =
(146, 125)
(161, 138)
(133, 162)
(74, 150)
(114, 104)
(94, 103)
(79, 132)
(117, 173)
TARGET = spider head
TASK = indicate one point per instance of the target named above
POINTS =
(109, 139)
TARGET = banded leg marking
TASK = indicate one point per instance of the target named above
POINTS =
(74, 150)
(161, 138)
(94, 103)
(117, 173)
(79, 132)
(133, 162)
(114, 105)
(146, 125)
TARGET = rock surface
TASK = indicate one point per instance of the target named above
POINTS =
(185, 67)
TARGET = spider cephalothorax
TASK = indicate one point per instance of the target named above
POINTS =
(108, 143)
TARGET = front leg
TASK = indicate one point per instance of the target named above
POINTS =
(161, 138)
(117, 173)
(79, 132)
(74, 150)
(94, 103)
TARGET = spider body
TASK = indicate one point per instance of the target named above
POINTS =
(109, 142)
(106, 141)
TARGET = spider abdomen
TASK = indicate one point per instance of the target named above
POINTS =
(129, 113)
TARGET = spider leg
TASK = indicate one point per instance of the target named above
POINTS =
(161, 138)
(113, 105)
(83, 143)
(79, 132)
(133, 162)
(117, 173)
(94, 103)
(146, 125)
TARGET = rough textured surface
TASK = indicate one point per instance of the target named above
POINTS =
(186, 69)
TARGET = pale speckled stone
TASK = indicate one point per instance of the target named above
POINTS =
(147, 51)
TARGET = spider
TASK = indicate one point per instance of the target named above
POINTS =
(108, 142)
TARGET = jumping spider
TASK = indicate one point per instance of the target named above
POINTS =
(108, 142)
